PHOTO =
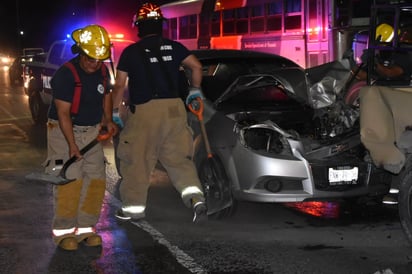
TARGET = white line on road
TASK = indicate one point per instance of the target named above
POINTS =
(11, 116)
(184, 259)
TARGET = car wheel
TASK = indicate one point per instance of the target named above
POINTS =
(405, 202)
(226, 212)
(38, 109)
(217, 188)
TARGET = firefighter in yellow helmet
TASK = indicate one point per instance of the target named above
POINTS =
(93, 41)
(156, 128)
(384, 33)
(81, 106)
(388, 64)
(385, 105)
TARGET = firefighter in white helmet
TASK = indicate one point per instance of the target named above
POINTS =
(81, 106)
(156, 128)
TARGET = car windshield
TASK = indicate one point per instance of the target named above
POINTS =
(244, 82)
(257, 89)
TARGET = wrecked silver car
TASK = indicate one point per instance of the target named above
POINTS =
(279, 133)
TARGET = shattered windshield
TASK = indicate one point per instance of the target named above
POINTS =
(241, 82)
(255, 90)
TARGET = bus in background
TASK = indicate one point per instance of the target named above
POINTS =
(309, 32)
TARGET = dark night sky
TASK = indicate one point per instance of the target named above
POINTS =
(44, 21)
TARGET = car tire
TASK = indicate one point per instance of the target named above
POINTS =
(226, 212)
(405, 202)
(217, 188)
(38, 109)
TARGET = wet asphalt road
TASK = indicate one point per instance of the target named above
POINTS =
(259, 238)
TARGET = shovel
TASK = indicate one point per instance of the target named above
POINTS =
(217, 186)
(61, 178)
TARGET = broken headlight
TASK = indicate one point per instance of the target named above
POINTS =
(265, 137)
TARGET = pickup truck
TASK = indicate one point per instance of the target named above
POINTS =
(38, 73)
(32, 51)
(16, 70)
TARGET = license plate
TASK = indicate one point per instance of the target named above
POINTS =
(343, 176)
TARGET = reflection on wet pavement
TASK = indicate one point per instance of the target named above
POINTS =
(329, 210)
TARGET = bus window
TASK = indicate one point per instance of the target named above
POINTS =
(293, 14)
(274, 16)
(215, 24)
(293, 22)
(242, 26)
(274, 8)
(188, 27)
(170, 28)
(228, 22)
(257, 19)
(293, 6)
(235, 21)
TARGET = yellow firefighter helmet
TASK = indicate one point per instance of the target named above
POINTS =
(94, 41)
(384, 33)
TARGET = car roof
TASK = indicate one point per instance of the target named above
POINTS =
(213, 54)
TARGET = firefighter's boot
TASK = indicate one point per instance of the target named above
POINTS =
(69, 243)
(199, 211)
(93, 240)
